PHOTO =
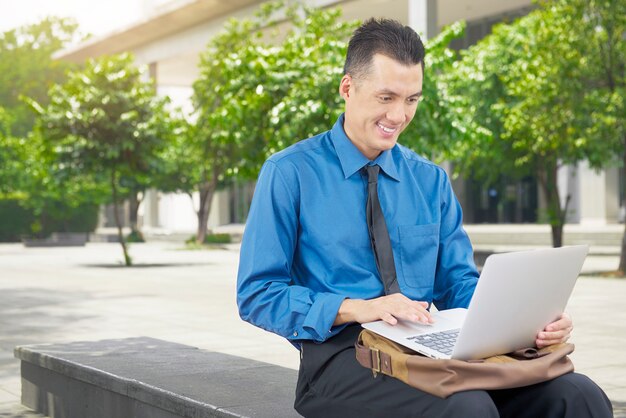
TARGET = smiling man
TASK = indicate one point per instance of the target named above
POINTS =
(350, 227)
(381, 101)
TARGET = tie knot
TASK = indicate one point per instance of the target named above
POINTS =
(372, 173)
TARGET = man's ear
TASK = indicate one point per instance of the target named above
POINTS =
(346, 86)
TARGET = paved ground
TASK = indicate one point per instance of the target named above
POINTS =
(71, 294)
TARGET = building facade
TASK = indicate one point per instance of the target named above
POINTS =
(173, 33)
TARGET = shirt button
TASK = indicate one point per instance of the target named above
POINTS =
(295, 333)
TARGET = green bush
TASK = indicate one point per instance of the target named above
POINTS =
(211, 239)
(59, 217)
(135, 236)
(17, 221)
(217, 239)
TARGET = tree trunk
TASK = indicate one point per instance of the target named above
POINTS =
(557, 235)
(207, 190)
(547, 175)
(118, 222)
(622, 257)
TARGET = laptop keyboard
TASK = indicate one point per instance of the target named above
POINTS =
(442, 341)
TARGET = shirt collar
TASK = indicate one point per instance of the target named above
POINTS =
(352, 160)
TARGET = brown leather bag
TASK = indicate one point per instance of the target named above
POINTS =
(442, 378)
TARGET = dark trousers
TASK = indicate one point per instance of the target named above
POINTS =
(331, 383)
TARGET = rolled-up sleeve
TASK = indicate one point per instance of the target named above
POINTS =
(266, 294)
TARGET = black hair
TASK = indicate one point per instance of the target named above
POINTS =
(382, 36)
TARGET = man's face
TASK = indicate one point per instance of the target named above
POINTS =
(380, 104)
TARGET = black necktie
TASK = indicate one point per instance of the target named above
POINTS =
(379, 236)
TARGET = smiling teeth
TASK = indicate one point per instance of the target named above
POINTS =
(388, 130)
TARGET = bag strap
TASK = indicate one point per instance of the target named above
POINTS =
(373, 358)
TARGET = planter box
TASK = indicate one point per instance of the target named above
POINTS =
(58, 239)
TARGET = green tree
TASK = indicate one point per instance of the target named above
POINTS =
(441, 123)
(605, 22)
(307, 70)
(107, 124)
(225, 94)
(27, 67)
(11, 176)
(31, 176)
(530, 84)
(244, 78)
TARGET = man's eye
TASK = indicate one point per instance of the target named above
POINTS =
(385, 98)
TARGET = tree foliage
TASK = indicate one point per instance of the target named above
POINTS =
(26, 173)
(27, 67)
(225, 98)
(533, 86)
(31, 175)
(106, 124)
(264, 83)
(441, 124)
(11, 154)
(308, 68)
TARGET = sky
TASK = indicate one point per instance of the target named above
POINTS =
(95, 17)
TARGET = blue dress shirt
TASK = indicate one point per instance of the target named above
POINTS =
(306, 245)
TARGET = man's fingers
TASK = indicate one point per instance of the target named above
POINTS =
(556, 332)
(426, 317)
(389, 318)
(545, 343)
(546, 338)
(556, 335)
(416, 312)
(395, 307)
(564, 322)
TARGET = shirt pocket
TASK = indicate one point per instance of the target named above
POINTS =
(419, 248)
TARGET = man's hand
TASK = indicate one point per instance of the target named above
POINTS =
(389, 308)
(556, 332)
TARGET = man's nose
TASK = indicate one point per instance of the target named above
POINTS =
(396, 113)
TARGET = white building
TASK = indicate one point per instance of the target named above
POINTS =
(174, 32)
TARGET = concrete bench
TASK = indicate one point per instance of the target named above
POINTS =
(150, 378)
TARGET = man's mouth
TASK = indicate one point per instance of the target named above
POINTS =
(386, 129)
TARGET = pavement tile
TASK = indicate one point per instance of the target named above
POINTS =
(83, 294)
(6, 396)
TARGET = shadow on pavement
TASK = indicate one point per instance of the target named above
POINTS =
(29, 316)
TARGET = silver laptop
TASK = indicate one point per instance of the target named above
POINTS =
(517, 295)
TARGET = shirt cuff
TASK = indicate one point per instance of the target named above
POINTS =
(320, 318)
